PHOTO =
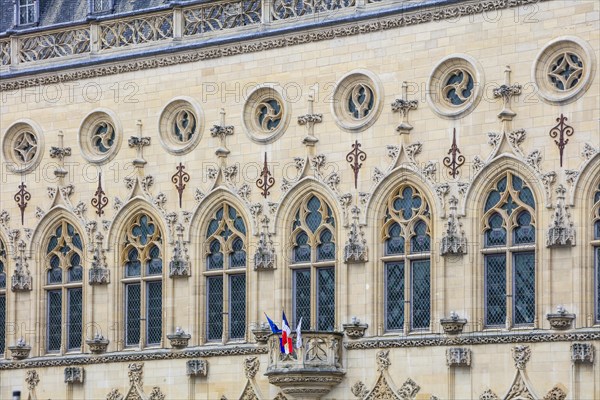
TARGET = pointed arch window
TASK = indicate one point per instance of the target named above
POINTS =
(406, 235)
(313, 264)
(64, 289)
(225, 275)
(596, 249)
(142, 260)
(3, 267)
(509, 253)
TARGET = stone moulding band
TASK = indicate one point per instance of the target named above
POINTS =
(85, 359)
(436, 12)
(472, 339)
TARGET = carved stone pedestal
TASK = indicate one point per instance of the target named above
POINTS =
(19, 352)
(311, 371)
(98, 344)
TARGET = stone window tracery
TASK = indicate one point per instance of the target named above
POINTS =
(596, 249)
(509, 253)
(313, 264)
(64, 289)
(3, 270)
(100, 136)
(22, 147)
(565, 70)
(181, 125)
(406, 236)
(266, 115)
(142, 261)
(357, 101)
(225, 275)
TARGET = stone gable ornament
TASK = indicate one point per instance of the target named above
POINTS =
(561, 231)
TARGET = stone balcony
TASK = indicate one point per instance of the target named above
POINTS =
(311, 371)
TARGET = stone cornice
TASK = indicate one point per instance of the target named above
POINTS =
(373, 22)
(131, 356)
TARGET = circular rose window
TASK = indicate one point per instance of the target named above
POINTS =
(357, 100)
(23, 146)
(181, 125)
(100, 136)
(266, 115)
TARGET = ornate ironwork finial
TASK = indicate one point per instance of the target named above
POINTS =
(266, 180)
(310, 119)
(139, 142)
(561, 130)
(99, 201)
(22, 197)
(457, 160)
(222, 131)
(355, 157)
(404, 106)
(180, 178)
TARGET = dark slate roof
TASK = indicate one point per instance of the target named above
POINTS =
(61, 12)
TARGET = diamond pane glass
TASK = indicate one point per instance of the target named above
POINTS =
(408, 203)
(54, 320)
(237, 306)
(394, 296)
(421, 241)
(238, 256)
(238, 222)
(144, 229)
(526, 197)
(154, 266)
(597, 257)
(302, 296)
(524, 280)
(597, 230)
(492, 200)
(76, 271)
(325, 299)
(524, 232)
(75, 319)
(597, 196)
(394, 244)
(133, 265)
(421, 294)
(215, 258)
(496, 234)
(313, 217)
(495, 290)
(302, 249)
(214, 308)
(326, 250)
(510, 205)
(133, 307)
(2, 277)
(154, 314)
(2, 323)
(2, 270)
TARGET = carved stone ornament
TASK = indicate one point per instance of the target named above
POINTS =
(32, 378)
(561, 231)
(261, 333)
(221, 131)
(560, 320)
(197, 368)
(558, 392)
(179, 339)
(98, 344)
(489, 395)
(139, 142)
(403, 106)
(179, 266)
(99, 273)
(582, 353)
(74, 374)
(453, 325)
(156, 394)
(264, 258)
(458, 357)
(20, 351)
(251, 366)
(355, 250)
(454, 240)
(355, 330)
(21, 280)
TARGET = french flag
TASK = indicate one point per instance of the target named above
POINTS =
(286, 336)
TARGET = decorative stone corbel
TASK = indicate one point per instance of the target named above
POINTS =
(179, 339)
(264, 258)
(560, 320)
(179, 266)
(561, 231)
(355, 330)
(20, 351)
(454, 240)
(21, 280)
(453, 325)
(197, 368)
(98, 344)
(355, 250)
(261, 333)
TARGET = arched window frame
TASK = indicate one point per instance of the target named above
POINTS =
(509, 290)
(63, 289)
(3, 283)
(407, 271)
(595, 243)
(142, 249)
(226, 238)
(313, 277)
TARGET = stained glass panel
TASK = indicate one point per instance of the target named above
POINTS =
(524, 232)
(302, 250)
(302, 296)
(54, 320)
(238, 257)
(214, 307)
(215, 257)
(496, 234)
(325, 299)
(144, 229)
(394, 296)
(314, 217)
(154, 314)
(421, 241)
(154, 266)
(76, 271)
(75, 318)
(492, 200)
(526, 196)
(55, 273)
(495, 290)
(524, 289)
(421, 294)
(133, 265)
(597, 230)
(133, 307)
(237, 306)
(395, 243)
(326, 249)
(407, 203)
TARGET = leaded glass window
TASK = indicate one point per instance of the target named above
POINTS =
(313, 264)
(406, 234)
(596, 250)
(27, 12)
(509, 253)
(225, 275)
(3, 266)
(98, 6)
(64, 291)
(142, 261)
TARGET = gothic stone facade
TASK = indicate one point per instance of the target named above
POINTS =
(419, 182)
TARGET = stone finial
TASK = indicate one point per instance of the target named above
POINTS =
(506, 92)
(561, 231)
(310, 119)
(179, 266)
(139, 142)
(21, 280)
(404, 106)
(454, 240)
(264, 258)
(355, 250)
(221, 131)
